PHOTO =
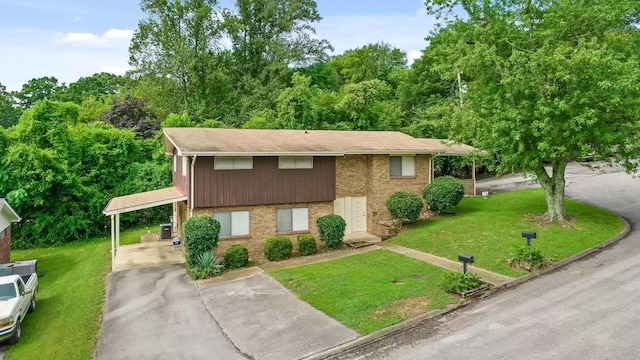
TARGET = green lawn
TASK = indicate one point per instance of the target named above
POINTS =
(489, 228)
(70, 300)
(370, 291)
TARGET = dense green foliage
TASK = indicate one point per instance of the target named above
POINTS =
(455, 282)
(278, 248)
(405, 205)
(444, 193)
(207, 264)
(237, 256)
(527, 258)
(331, 228)
(307, 245)
(200, 235)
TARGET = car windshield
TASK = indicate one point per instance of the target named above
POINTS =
(7, 291)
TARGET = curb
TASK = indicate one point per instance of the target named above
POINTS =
(413, 322)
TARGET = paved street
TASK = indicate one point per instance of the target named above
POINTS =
(586, 310)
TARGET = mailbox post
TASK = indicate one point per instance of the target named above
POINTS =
(529, 235)
(466, 259)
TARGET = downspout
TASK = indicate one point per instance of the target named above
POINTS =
(191, 176)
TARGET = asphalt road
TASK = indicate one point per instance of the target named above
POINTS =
(586, 310)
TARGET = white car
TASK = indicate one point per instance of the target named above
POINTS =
(17, 298)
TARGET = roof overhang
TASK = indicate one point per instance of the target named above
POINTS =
(8, 212)
(144, 200)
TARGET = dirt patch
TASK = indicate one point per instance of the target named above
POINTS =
(542, 220)
(406, 308)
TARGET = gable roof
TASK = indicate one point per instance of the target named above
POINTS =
(8, 212)
(253, 142)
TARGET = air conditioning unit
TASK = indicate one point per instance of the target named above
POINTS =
(165, 231)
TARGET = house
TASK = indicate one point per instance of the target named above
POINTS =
(7, 216)
(261, 183)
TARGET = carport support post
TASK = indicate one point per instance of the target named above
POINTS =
(474, 177)
(113, 243)
(117, 231)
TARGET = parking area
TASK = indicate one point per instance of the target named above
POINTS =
(146, 254)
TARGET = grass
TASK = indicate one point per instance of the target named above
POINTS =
(70, 300)
(369, 291)
(490, 228)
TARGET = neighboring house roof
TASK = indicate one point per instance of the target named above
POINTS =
(239, 142)
(7, 212)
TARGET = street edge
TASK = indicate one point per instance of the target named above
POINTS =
(410, 323)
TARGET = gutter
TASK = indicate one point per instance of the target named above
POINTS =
(191, 180)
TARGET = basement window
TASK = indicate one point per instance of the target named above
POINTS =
(232, 163)
(233, 223)
(290, 220)
(400, 166)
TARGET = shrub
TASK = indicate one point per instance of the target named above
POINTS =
(237, 256)
(307, 245)
(443, 193)
(405, 205)
(455, 282)
(331, 228)
(527, 259)
(278, 248)
(206, 265)
(200, 234)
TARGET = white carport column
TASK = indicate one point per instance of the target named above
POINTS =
(117, 231)
(474, 178)
(113, 243)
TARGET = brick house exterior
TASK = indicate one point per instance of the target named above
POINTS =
(7, 216)
(261, 183)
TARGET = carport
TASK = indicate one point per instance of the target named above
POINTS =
(133, 202)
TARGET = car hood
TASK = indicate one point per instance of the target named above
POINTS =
(7, 307)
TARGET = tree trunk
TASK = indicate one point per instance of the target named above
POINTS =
(553, 187)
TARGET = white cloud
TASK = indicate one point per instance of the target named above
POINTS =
(413, 55)
(110, 38)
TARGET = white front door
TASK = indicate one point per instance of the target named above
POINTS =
(354, 212)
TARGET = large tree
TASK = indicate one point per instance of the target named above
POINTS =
(542, 83)
(37, 89)
(9, 112)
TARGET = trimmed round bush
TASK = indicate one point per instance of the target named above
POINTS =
(405, 205)
(237, 256)
(331, 228)
(199, 234)
(307, 245)
(278, 248)
(444, 193)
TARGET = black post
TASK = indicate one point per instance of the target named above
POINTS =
(464, 267)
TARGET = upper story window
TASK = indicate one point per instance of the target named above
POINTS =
(402, 165)
(232, 163)
(295, 162)
(185, 165)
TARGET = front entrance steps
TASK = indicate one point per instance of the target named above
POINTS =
(360, 239)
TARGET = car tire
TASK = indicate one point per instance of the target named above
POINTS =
(32, 306)
(17, 334)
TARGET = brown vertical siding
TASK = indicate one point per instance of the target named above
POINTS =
(264, 184)
(182, 182)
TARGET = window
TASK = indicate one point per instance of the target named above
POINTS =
(402, 165)
(303, 162)
(232, 163)
(233, 223)
(185, 165)
(289, 220)
(175, 163)
(20, 287)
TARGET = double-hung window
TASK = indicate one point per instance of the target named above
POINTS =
(233, 223)
(232, 163)
(402, 166)
(289, 220)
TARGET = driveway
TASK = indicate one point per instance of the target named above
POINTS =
(586, 310)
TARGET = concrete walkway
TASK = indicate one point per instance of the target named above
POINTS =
(485, 275)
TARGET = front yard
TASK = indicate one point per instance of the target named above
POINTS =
(489, 228)
(370, 291)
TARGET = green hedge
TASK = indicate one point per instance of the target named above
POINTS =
(237, 256)
(278, 248)
(444, 193)
(331, 228)
(200, 235)
(405, 205)
(307, 245)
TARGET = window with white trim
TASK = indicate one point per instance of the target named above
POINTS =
(185, 165)
(232, 163)
(295, 162)
(288, 220)
(402, 165)
(175, 162)
(233, 223)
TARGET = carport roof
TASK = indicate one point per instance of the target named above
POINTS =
(144, 200)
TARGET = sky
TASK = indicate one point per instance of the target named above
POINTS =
(70, 39)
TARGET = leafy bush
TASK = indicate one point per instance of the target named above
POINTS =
(331, 228)
(405, 205)
(200, 234)
(443, 193)
(237, 256)
(278, 248)
(455, 282)
(527, 259)
(206, 265)
(307, 245)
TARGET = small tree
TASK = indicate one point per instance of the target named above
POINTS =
(444, 193)
(200, 235)
(405, 205)
(331, 228)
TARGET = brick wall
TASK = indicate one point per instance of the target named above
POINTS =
(262, 224)
(5, 246)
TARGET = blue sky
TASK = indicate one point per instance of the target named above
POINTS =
(73, 38)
